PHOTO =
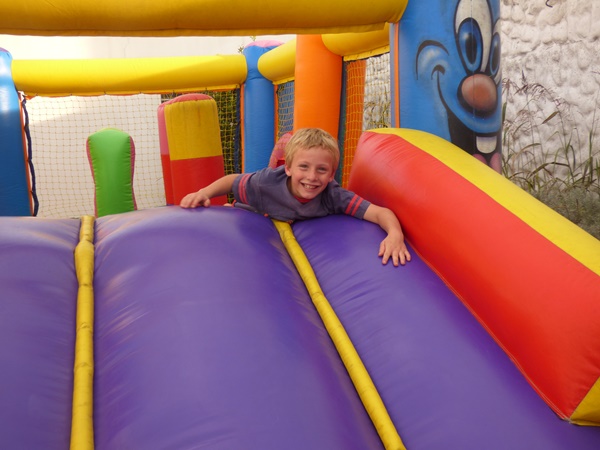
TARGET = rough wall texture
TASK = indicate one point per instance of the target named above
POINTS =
(550, 49)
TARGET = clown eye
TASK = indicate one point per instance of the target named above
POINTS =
(494, 65)
(495, 55)
(470, 44)
(473, 30)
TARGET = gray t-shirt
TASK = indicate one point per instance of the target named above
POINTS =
(266, 192)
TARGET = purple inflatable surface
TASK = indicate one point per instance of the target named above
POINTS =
(38, 293)
(445, 382)
(206, 338)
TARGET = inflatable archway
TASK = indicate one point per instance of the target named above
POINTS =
(445, 68)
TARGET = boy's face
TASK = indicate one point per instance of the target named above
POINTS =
(310, 171)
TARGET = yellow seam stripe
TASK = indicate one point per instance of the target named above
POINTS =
(356, 369)
(82, 427)
(554, 227)
(588, 411)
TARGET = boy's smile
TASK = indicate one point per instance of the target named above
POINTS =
(310, 172)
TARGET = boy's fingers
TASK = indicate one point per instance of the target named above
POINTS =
(405, 258)
(385, 255)
(398, 257)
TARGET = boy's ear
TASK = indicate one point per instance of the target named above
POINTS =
(287, 171)
(333, 171)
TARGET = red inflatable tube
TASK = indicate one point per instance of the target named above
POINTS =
(539, 298)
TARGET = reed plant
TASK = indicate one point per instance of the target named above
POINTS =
(547, 154)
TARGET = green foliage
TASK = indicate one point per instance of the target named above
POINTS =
(544, 154)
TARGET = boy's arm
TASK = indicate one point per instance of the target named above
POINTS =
(393, 245)
(222, 186)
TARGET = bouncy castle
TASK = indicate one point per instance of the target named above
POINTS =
(218, 328)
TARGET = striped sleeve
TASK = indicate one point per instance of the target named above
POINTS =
(240, 188)
(354, 205)
(347, 202)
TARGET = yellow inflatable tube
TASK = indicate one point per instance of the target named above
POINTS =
(353, 46)
(82, 423)
(55, 78)
(195, 18)
(279, 64)
(358, 373)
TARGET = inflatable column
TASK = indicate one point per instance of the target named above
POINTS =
(190, 146)
(446, 78)
(15, 198)
(318, 83)
(111, 154)
(258, 109)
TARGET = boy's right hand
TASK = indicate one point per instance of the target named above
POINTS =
(194, 200)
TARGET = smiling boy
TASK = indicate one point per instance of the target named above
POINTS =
(304, 188)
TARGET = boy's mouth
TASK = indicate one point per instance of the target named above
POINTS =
(309, 187)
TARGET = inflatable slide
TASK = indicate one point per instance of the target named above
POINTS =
(206, 336)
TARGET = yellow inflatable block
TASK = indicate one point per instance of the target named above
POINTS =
(193, 129)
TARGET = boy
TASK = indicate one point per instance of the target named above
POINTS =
(305, 188)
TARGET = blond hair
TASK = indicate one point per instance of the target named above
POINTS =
(306, 138)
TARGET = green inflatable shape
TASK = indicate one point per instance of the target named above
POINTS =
(111, 154)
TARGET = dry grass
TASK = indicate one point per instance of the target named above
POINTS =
(544, 154)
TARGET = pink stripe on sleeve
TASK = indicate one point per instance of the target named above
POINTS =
(354, 205)
(242, 188)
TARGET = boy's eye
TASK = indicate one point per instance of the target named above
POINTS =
(322, 170)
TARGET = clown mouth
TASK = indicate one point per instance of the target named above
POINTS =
(472, 143)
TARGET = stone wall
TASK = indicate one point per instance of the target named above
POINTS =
(551, 62)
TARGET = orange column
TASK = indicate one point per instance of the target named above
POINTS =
(318, 82)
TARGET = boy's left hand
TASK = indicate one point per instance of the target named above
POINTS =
(394, 248)
(393, 245)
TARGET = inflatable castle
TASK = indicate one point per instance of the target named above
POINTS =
(218, 328)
